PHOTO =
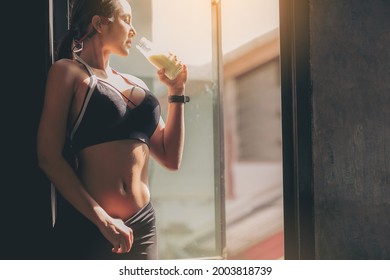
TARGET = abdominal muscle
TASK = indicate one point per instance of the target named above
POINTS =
(115, 174)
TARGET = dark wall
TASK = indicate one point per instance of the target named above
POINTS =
(25, 192)
(350, 71)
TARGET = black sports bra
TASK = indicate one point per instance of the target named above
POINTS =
(106, 116)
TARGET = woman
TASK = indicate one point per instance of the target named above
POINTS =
(112, 123)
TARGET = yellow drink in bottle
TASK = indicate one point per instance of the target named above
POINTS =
(159, 59)
(162, 61)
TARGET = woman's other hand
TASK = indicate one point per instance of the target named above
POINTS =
(177, 85)
(118, 234)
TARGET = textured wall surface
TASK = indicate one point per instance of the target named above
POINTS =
(350, 68)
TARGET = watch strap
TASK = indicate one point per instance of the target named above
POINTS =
(178, 99)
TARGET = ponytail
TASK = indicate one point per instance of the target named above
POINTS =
(64, 49)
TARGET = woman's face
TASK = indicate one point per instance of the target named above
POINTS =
(119, 34)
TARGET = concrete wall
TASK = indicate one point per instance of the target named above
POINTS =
(350, 71)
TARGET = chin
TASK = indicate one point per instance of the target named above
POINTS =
(127, 50)
(124, 52)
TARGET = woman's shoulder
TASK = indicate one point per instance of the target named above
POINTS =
(65, 73)
(65, 68)
(65, 65)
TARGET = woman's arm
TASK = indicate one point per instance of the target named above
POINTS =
(167, 142)
(60, 87)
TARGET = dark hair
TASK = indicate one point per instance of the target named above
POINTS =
(81, 13)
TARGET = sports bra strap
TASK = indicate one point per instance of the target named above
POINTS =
(89, 69)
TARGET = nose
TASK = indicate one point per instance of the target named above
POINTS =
(132, 31)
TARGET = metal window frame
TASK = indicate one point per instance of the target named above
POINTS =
(299, 240)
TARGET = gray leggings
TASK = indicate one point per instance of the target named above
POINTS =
(144, 229)
(75, 237)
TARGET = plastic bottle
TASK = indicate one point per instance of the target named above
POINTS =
(159, 58)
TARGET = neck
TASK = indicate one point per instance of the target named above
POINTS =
(101, 68)
(94, 56)
(99, 62)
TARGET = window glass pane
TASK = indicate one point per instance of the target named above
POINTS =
(253, 129)
(187, 202)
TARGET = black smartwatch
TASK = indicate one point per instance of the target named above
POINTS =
(178, 99)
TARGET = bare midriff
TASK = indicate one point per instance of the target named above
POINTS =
(115, 174)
